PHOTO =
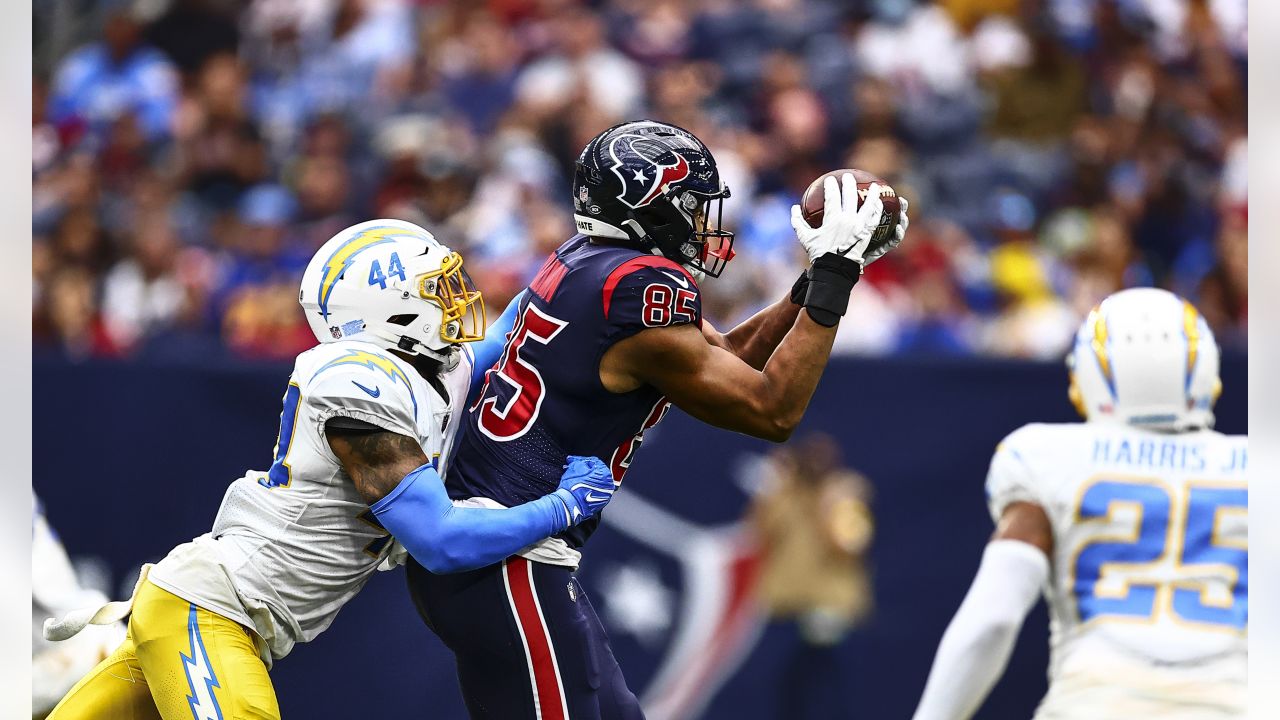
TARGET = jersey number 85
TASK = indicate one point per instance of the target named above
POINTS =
(513, 418)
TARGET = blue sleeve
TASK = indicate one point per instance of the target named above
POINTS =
(488, 350)
(448, 539)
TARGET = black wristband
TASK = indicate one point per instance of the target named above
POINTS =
(800, 288)
(831, 278)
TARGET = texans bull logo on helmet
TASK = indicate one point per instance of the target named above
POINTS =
(641, 184)
(654, 185)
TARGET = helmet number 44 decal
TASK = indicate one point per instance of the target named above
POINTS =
(394, 269)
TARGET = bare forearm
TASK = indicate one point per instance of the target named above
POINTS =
(755, 339)
(709, 382)
(766, 403)
(795, 367)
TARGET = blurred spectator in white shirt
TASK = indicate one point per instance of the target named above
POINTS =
(142, 293)
(581, 61)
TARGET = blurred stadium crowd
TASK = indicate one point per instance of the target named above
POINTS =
(190, 155)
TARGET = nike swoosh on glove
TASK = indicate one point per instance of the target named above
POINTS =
(585, 488)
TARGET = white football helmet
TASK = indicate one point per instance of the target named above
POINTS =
(389, 282)
(1145, 357)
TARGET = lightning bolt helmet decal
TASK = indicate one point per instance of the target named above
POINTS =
(345, 255)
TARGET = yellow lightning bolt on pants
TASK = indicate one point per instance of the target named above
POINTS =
(147, 677)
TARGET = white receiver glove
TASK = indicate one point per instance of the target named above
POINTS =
(846, 229)
(899, 232)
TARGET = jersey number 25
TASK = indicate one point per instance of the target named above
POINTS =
(1189, 533)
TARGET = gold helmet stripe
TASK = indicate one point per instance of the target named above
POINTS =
(1099, 346)
(1191, 329)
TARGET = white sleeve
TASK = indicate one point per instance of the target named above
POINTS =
(54, 586)
(365, 394)
(977, 644)
(1011, 478)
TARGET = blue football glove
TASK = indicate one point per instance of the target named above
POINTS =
(585, 488)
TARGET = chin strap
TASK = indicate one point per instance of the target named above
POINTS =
(448, 357)
(698, 275)
(645, 240)
(638, 233)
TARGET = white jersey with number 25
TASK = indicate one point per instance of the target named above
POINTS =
(1149, 595)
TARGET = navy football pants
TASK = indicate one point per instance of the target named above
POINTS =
(527, 642)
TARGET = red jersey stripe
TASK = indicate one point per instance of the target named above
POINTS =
(548, 279)
(544, 671)
(630, 266)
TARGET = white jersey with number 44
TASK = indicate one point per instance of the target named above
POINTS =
(1149, 594)
(290, 546)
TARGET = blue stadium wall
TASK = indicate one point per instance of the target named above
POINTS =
(131, 459)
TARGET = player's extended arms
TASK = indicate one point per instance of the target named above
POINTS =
(488, 350)
(408, 497)
(755, 338)
(976, 646)
(714, 385)
(717, 387)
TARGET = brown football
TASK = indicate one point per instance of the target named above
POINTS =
(811, 204)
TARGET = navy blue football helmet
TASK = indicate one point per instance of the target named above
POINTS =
(654, 185)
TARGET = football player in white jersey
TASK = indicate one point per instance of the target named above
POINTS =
(1134, 525)
(55, 588)
(365, 431)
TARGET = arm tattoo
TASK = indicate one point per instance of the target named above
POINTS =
(376, 460)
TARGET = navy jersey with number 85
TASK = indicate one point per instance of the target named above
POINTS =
(543, 400)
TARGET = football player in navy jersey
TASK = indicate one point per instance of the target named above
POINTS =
(607, 336)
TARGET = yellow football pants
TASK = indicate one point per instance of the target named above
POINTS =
(178, 662)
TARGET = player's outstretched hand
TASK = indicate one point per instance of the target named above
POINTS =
(585, 488)
(899, 232)
(846, 228)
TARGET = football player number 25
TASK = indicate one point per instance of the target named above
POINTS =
(280, 474)
(1197, 550)
(511, 416)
